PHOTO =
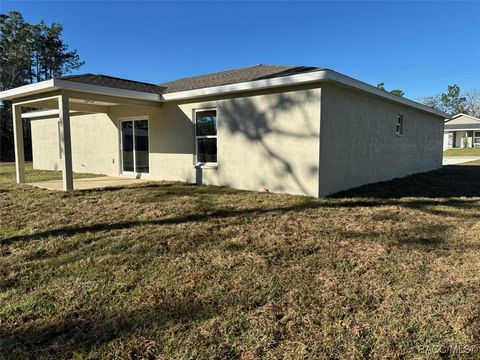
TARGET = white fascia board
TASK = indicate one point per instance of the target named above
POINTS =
(58, 84)
(45, 113)
(103, 90)
(317, 76)
(30, 89)
(463, 129)
(40, 113)
(248, 86)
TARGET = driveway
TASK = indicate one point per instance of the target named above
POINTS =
(454, 160)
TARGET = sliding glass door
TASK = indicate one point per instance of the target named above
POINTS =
(135, 151)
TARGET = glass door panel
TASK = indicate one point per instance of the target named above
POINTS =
(141, 146)
(135, 152)
(127, 146)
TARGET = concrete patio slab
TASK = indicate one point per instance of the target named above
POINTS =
(89, 183)
(454, 160)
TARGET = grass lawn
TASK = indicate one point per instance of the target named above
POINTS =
(462, 152)
(175, 271)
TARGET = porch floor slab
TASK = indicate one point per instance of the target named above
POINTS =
(89, 183)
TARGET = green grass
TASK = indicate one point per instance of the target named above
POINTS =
(177, 271)
(462, 152)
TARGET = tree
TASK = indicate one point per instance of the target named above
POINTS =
(432, 101)
(453, 102)
(397, 92)
(472, 102)
(14, 50)
(28, 53)
(50, 55)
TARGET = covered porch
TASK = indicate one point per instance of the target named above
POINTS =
(60, 99)
(463, 138)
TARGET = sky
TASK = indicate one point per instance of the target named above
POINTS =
(419, 47)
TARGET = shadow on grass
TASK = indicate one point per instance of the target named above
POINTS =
(204, 216)
(81, 331)
(450, 181)
(433, 189)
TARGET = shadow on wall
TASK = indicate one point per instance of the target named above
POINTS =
(176, 132)
(267, 128)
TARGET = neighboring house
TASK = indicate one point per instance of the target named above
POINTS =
(461, 131)
(299, 130)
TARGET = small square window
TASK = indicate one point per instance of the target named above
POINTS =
(399, 125)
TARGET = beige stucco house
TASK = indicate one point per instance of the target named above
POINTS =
(299, 130)
(461, 131)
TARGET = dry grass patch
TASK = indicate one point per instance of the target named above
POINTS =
(171, 270)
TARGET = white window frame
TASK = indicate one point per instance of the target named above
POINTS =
(133, 119)
(399, 126)
(205, 164)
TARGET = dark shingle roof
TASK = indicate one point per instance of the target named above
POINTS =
(113, 82)
(250, 73)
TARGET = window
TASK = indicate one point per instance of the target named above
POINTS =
(476, 139)
(399, 125)
(206, 136)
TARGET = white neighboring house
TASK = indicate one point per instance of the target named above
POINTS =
(461, 131)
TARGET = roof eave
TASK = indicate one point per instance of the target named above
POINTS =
(466, 115)
(58, 84)
(312, 77)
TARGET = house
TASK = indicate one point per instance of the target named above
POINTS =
(291, 129)
(461, 131)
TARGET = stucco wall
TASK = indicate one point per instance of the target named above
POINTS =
(265, 141)
(287, 141)
(94, 144)
(45, 144)
(359, 145)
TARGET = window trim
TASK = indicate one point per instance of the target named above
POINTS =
(205, 164)
(399, 126)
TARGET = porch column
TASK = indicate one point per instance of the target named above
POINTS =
(18, 139)
(65, 142)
